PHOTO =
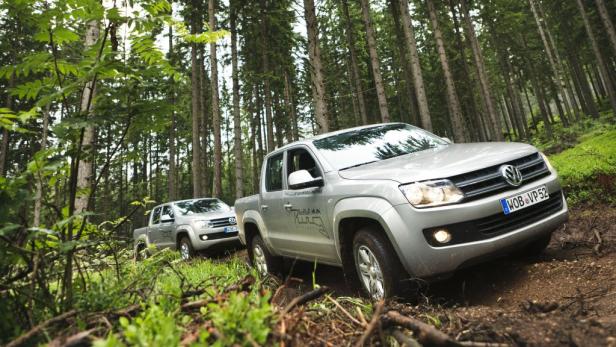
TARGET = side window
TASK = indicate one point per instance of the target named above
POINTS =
(167, 210)
(156, 215)
(301, 159)
(273, 173)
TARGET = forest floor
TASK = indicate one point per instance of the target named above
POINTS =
(565, 297)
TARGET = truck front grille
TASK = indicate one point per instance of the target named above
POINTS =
(221, 222)
(489, 181)
(497, 224)
(220, 235)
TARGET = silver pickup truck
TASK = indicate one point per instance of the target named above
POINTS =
(188, 226)
(391, 203)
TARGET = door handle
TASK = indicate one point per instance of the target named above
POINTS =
(264, 207)
(288, 207)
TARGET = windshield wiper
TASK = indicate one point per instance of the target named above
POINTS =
(360, 164)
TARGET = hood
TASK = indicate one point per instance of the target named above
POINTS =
(441, 162)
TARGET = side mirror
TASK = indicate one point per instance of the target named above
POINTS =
(301, 179)
(447, 139)
(166, 218)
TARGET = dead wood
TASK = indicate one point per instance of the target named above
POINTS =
(426, 334)
(372, 325)
(302, 299)
(32, 332)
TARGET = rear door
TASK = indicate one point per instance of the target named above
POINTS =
(165, 229)
(271, 200)
(154, 234)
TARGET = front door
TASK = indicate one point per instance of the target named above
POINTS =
(154, 235)
(306, 211)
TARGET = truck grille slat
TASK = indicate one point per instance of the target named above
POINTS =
(221, 222)
(489, 181)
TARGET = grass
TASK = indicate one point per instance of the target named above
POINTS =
(588, 170)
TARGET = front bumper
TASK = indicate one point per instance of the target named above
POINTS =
(215, 237)
(407, 225)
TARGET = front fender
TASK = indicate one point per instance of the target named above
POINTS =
(184, 228)
(374, 208)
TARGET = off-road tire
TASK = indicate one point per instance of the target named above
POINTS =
(273, 263)
(185, 240)
(141, 252)
(393, 272)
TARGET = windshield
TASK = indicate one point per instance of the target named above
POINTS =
(189, 207)
(362, 146)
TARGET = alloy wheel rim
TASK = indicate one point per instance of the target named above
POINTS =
(259, 260)
(184, 251)
(370, 272)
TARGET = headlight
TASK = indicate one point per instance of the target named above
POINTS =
(547, 162)
(432, 193)
(204, 224)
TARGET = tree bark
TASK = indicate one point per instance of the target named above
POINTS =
(495, 124)
(316, 69)
(584, 85)
(237, 130)
(288, 94)
(453, 103)
(216, 124)
(355, 76)
(196, 109)
(374, 62)
(409, 34)
(266, 78)
(607, 23)
(600, 61)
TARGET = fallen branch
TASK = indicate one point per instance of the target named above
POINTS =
(82, 338)
(426, 333)
(345, 312)
(403, 339)
(302, 299)
(597, 248)
(372, 325)
(32, 332)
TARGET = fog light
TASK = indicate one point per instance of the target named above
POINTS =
(442, 236)
(203, 237)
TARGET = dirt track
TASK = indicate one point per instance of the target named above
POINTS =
(565, 297)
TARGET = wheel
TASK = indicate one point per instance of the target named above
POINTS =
(378, 268)
(141, 252)
(186, 249)
(534, 248)
(261, 258)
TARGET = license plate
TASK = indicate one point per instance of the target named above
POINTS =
(524, 200)
(230, 229)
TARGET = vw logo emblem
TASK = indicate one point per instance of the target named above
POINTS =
(232, 220)
(511, 174)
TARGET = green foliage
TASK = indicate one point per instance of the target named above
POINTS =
(588, 170)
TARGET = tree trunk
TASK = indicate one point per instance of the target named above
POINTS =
(85, 169)
(607, 23)
(288, 94)
(172, 178)
(316, 69)
(4, 149)
(38, 198)
(355, 76)
(237, 130)
(552, 61)
(474, 116)
(495, 124)
(409, 34)
(266, 78)
(453, 103)
(374, 62)
(603, 68)
(584, 85)
(216, 124)
(405, 63)
(196, 111)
